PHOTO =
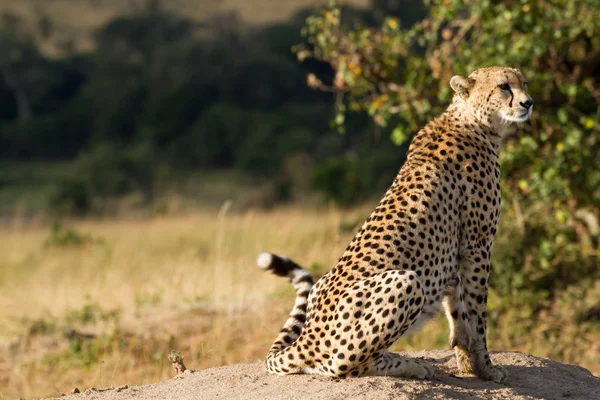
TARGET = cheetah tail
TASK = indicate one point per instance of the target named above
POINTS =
(302, 281)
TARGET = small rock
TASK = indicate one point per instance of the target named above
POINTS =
(75, 391)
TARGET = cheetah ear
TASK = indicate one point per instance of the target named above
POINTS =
(461, 85)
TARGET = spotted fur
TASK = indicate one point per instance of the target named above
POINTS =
(429, 241)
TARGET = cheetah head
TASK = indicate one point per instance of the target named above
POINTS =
(495, 96)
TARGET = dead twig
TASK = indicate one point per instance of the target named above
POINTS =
(176, 361)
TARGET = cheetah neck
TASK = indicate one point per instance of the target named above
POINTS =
(489, 131)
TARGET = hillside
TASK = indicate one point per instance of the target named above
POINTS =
(89, 13)
(529, 378)
(77, 19)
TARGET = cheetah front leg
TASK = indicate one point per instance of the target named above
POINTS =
(461, 335)
(468, 329)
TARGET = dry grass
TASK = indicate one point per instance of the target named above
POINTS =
(190, 278)
(109, 312)
(206, 256)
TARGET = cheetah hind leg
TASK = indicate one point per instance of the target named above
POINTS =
(391, 364)
(396, 304)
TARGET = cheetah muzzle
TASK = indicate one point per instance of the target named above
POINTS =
(428, 242)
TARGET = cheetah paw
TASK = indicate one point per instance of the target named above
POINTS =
(498, 374)
(420, 369)
(463, 361)
(492, 373)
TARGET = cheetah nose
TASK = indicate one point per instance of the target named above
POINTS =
(527, 104)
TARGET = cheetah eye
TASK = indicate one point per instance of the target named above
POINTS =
(504, 86)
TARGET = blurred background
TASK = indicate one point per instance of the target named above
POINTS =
(149, 150)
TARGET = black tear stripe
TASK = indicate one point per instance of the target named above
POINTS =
(512, 96)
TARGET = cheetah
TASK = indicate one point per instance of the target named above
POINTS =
(428, 242)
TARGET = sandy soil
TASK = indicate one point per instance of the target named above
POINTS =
(529, 378)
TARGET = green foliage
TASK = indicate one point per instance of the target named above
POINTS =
(66, 237)
(89, 314)
(103, 174)
(40, 326)
(71, 196)
(551, 169)
(338, 180)
(212, 138)
(351, 225)
(83, 349)
(148, 298)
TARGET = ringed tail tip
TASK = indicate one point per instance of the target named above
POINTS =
(264, 260)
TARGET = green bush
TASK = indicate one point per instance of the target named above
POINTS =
(71, 196)
(104, 173)
(213, 139)
(337, 179)
(61, 236)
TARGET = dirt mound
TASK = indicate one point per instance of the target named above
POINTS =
(529, 378)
